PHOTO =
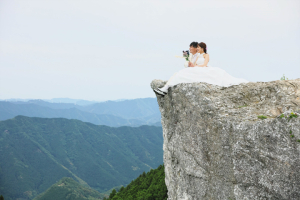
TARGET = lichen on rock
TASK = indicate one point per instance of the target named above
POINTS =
(216, 146)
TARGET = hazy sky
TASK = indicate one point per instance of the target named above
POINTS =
(106, 50)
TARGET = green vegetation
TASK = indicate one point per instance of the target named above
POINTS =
(243, 106)
(262, 117)
(293, 115)
(117, 188)
(289, 116)
(284, 78)
(68, 189)
(148, 186)
(1, 197)
(38, 152)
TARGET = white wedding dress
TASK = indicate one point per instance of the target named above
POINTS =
(212, 75)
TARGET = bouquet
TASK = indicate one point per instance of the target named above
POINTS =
(186, 55)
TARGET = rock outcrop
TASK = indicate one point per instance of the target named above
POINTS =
(239, 142)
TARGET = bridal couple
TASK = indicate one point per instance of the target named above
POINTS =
(197, 70)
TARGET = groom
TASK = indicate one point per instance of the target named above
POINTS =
(193, 54)
(192, 59)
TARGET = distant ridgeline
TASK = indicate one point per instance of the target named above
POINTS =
(134, 112)
(36, 153)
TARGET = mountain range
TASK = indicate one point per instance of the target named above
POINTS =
(35, 153)
(150, 185)
(81, 102)
(134, 112)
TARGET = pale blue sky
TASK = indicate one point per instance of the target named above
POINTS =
(106, 50)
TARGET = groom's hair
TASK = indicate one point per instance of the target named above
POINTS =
(194, 44)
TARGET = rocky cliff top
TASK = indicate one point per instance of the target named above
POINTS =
(245, 101)
(237, 142)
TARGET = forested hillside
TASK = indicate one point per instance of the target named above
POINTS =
(68, 189)
(148, 186)
(38, 152)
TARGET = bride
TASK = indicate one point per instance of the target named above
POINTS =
(197, 70)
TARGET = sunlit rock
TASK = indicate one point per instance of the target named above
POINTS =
(240, 142)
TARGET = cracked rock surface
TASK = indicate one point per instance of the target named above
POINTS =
(216, 147)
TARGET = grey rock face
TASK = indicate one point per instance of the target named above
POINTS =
(216, 147)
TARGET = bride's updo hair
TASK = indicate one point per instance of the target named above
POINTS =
(203, 45)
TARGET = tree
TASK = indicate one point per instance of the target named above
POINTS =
(1, 197)
(148, 186)
(112, 194)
